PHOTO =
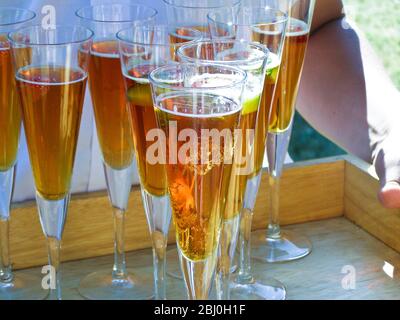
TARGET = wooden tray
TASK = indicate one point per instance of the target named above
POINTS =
(333, 201)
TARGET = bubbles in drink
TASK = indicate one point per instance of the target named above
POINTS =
(52, 101)
(109, 104)
(293, 55)
(194, 184)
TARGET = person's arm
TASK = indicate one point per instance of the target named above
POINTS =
(346, 94)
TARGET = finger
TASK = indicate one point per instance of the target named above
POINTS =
(389, 195)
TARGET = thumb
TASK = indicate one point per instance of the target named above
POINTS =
(387, 165)
(389, 195)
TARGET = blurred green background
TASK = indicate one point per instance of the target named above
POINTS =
(380, 21)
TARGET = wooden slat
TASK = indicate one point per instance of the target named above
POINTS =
(363, 208)
(310, 191)
(338, 248)
(88, 230)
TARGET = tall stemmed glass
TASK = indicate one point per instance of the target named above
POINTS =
(267, 27)
(277, 245)
(251, 58)
(142, 50)
(198, 107)
(12, 286)
(51, 75)
(193, 13)
(114, 134)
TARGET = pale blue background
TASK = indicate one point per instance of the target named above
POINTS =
(88, 172)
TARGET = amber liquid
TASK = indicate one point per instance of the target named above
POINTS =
(284, 101)
(143, 119)
(237, 181)
(196, 188)
(110, 106)
(10, 113)
(268, 35)
(263, 115)
(52, 101)
(177, 38)
(180, 35)
(276, 112)
(244, 145)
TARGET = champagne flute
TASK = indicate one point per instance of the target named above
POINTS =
(143, 49)
(12, 286)
(114, 133)
(51, 75)
(197, 106)
(277, 245)
(253, 59)
(193, 13)
(265, 26)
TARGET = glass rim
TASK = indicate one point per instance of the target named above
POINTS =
(30, 18)
(158, 26)
(169, 2)
(89, 35)
(283, 17)
(79, 12)
(253, 45)
(153, 80)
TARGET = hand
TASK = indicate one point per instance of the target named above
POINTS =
(389, 195)
(387, 165)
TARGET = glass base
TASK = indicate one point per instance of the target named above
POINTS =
(260, 288)
(100, 286)
(290, 246)
(23, 287)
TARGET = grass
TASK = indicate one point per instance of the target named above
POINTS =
(380, 21)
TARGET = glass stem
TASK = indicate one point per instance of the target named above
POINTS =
(244, 275)
(119, 269)
(54, 249)
(227, 248)
(52, 215)
(277, 147)
(274, 230)
(119, 184)
(223, 286)
(6, 275)
(158, 214)
(6, 187)
(246, 220)
(198, 275)
(159, 262)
